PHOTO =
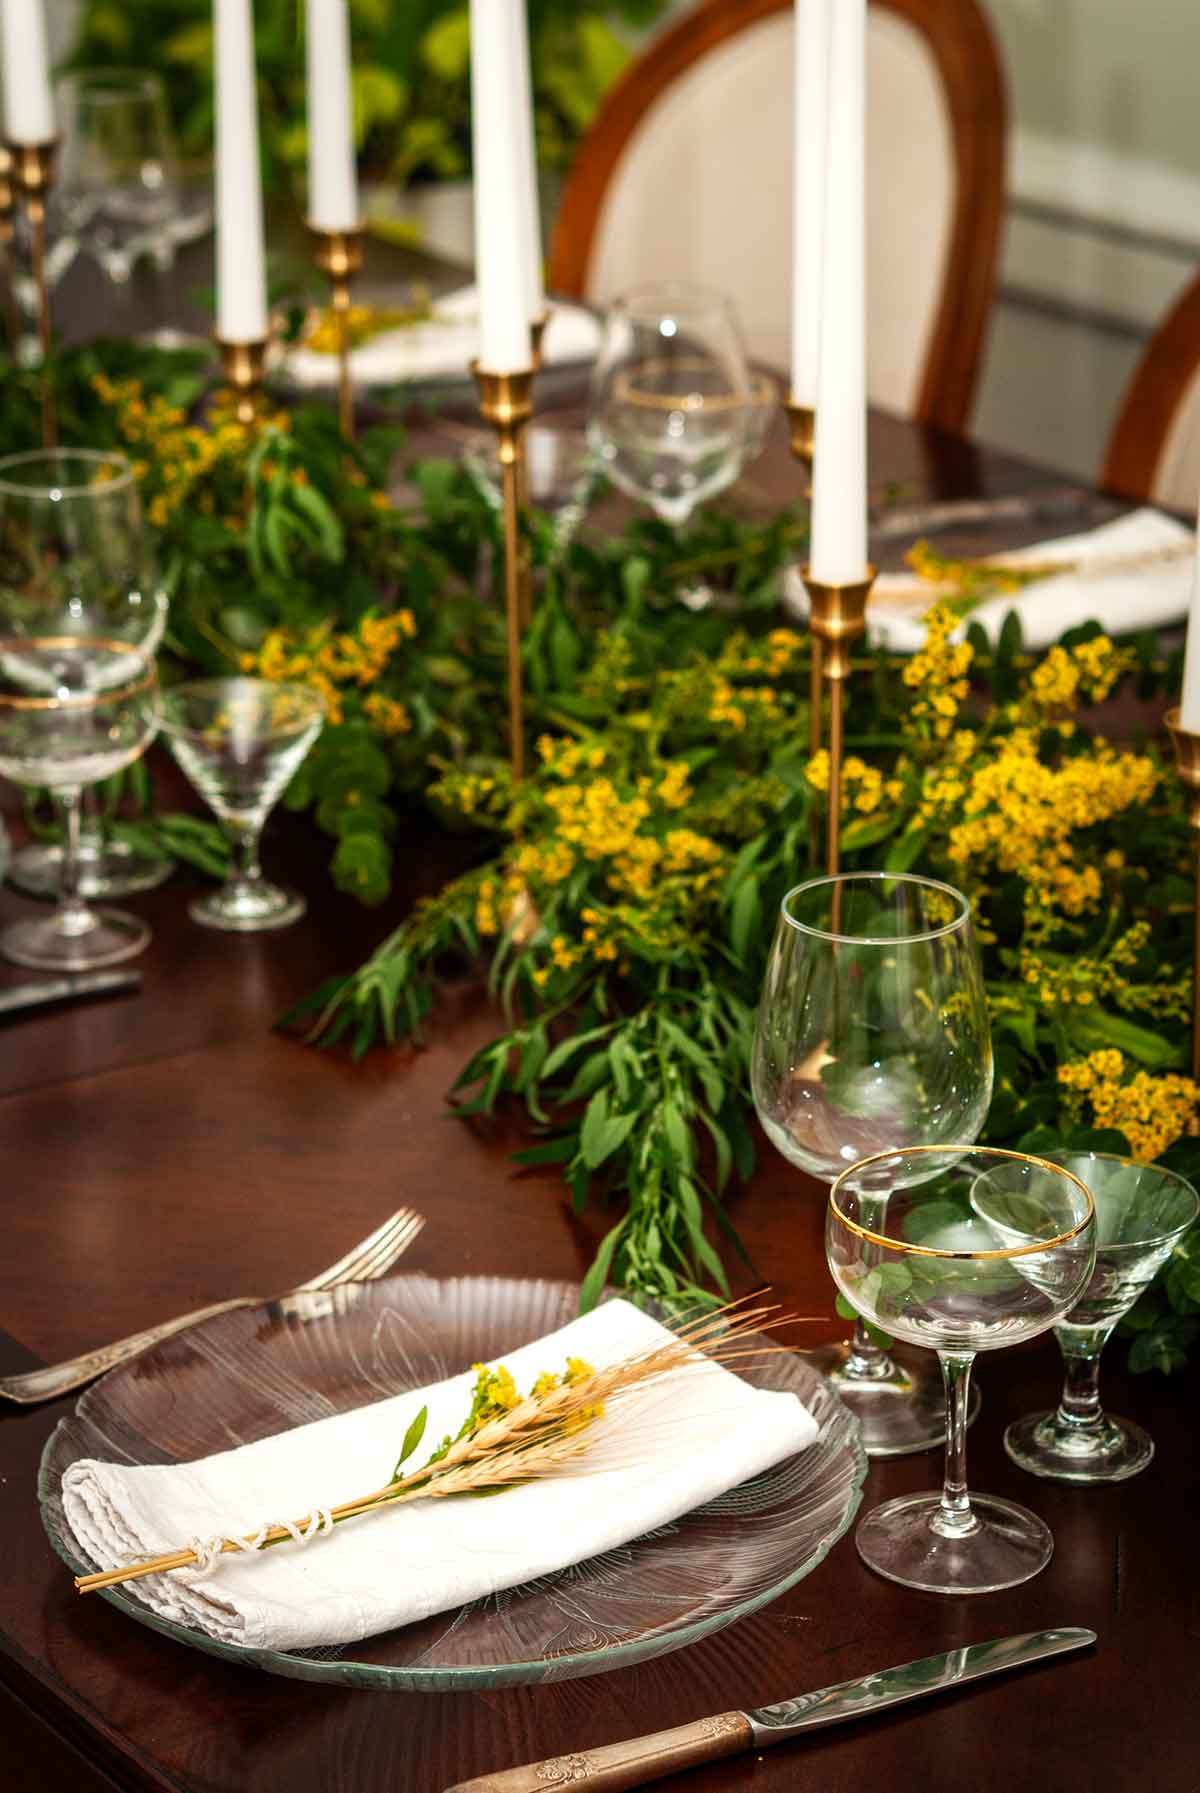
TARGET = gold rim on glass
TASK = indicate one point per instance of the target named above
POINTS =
(121, 479)
(844, 878)
(905, 1249)
(87, 700)
(627, 393)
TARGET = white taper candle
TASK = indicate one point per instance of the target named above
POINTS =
(28, 108)
(839, 510)
(504, 340)
(1189, 705)
(810, 144)
(332, 182)
(528, 199)
(241, 266)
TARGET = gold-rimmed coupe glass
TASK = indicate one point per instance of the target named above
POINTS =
(72, 713)
(872, 1033)
(912, 1248)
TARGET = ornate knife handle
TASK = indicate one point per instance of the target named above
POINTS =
(615, 1766)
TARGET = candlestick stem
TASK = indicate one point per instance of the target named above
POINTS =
(8, 211)
(339, 254)
(1187, 759)
(244, 365)
(506, 402)
(31, 171)
(837, 618)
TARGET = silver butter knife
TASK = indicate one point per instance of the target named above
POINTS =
(615, 1766)
(21, 997)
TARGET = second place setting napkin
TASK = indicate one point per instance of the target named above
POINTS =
(395, 1566)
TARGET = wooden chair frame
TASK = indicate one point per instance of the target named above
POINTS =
(1152, 398)
(964, 48)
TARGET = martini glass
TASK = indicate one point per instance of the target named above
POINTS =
(239, 741)
(872, 1032)
(917, 1254)
(75, 564)
(1142, 1212)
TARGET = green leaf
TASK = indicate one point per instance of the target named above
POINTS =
(593, 1283)
(446, 46)
(1093, 1027)
(412, 1439)
(601, 1133)
(745, 917)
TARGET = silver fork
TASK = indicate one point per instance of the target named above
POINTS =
(372, 1257)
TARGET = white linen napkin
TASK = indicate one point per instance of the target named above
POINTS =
(444, 345)
(1134, 573)
(707, 1431)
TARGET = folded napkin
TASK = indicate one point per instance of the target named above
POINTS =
(445, 345)
(707, 1430)
(1135, 573)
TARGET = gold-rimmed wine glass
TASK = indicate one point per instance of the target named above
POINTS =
(872, 1032)
(73, 711)
(911, 1246)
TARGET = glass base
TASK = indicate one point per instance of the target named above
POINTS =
(901, 1412)
(46, 945)
(116, 870)
(1005, 1546)
(1111, 1451)
(249, 907)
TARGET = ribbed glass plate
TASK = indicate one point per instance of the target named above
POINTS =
(259, 1371)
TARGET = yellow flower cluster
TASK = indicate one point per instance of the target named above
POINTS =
(864, 787)
(1151, 1111)
(744, 657)
(567, 759)
(1019, 814)
(1089, 670)
(938, 675)
(173, 456)
(329, 659)
(736, 706)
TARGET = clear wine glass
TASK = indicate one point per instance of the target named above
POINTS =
(240, 741)
(872, 1033)
(671, 401)
(73, 711)
(75, 564)
(910, 1247)
(117, 190)
(1142, 1213)
(561, 467)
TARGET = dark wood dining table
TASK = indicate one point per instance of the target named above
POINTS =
(167, 1149)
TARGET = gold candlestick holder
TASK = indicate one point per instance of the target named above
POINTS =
(1187, 758)
(243, 365)
(339, 254)
(803, 422)
(31, 172)
(8, 231)
(506, 402)
(838, 617)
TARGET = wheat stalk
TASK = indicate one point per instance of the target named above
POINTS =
(531, 1440)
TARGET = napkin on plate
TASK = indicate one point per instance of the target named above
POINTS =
(1134, 573)
(708, 1430)
(444, 345)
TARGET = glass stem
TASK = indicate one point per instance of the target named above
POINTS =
(954, 1518)
(867, 1360)
(91, 832)
(73, 916)
(245, 868)
(1079, 1410)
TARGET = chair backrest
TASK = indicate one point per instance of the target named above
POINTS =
(1154, 449)
(686, 174)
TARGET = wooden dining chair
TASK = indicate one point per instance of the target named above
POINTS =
(686, 174)
(1154, 449)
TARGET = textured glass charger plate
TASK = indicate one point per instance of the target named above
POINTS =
(253, 1373)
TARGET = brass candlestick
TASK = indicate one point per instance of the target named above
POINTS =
(838, 617)
(506, 402)
(31, 171)
(8, 231)
(244, 366)
(803, 421)
(339, 253)
(537, 330)
(1187, 758)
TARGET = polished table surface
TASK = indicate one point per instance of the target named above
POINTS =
(165, 1150)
